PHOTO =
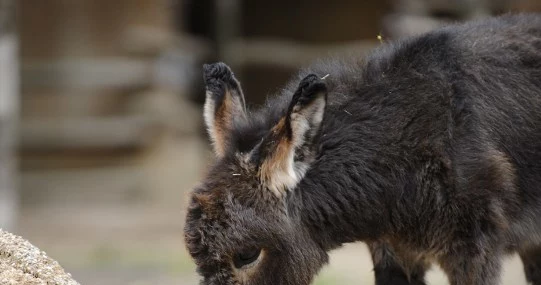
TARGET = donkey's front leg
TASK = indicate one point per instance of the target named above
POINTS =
(473, 265)
(531, 258)
(393, 268)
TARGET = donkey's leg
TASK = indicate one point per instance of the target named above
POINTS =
(391, 268)
(531, 258)
(473, 265)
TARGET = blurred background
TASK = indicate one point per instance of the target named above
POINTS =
(101, 134)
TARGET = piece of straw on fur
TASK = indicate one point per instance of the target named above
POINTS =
(23, 263)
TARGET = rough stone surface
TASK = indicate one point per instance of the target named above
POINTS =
(23, 263)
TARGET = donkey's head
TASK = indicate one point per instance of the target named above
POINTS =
(241, 226)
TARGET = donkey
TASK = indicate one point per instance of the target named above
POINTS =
(428, 150)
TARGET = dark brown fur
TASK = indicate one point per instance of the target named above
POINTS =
(429, 150)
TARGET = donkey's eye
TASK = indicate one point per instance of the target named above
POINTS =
(246, 257)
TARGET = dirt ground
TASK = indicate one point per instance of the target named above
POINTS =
(126, 228)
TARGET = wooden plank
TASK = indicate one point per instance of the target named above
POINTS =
(97, 186)
(87, 72)
(91, 132)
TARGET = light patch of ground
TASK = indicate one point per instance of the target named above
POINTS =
(351, 265)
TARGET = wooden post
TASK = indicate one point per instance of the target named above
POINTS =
(9, 105)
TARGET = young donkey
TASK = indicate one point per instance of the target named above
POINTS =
(428, 150)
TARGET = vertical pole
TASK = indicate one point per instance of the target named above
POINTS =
(9, 106)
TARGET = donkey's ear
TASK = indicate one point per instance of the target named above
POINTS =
(284, 155)
(223, 105)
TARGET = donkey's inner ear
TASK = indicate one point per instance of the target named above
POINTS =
(223, 105)
(286, 152)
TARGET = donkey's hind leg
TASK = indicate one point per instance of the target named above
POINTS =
(473, 263)
(391, 268)
(531, 258)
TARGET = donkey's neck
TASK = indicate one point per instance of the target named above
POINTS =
(348, 193)
(361, 181)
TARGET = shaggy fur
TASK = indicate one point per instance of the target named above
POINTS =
(429, 151)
